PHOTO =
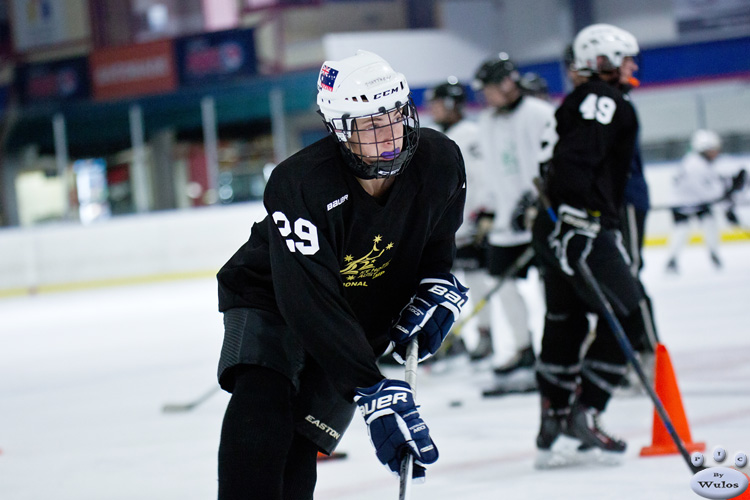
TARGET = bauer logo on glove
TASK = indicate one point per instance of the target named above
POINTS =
(430, 314)
(395, 426)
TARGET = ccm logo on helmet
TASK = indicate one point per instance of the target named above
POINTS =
(385, 93)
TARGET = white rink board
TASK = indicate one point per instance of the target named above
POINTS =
(201, 240)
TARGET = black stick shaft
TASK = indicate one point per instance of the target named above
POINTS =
(627, 349)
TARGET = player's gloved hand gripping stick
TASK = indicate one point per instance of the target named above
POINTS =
(573, 237)
(429, 315)
(397, 431)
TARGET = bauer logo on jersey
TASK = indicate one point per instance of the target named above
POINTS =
(357, 272)
(328, 77)
(336, 203)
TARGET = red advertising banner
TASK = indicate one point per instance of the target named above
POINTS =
(146, 68)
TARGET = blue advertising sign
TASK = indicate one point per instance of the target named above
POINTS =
(61, 80)
(212, 57)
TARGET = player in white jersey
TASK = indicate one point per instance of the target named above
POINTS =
(446, 103)
(517, 134)
(698, 187)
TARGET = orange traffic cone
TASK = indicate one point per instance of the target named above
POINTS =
(745, 495)
(666, 388)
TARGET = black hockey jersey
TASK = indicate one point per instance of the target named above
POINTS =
(340, 265)
(597, 129)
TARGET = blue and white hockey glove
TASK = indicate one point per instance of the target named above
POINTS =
(395, 426)
(573, 237)
(430, 314)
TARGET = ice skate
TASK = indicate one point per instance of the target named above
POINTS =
(524, 358)
(554, 448)
(516, 376)
(596, 444)
(519, 381)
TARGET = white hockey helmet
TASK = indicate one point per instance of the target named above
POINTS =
(362, 86)
(605, 40)
(705, 140)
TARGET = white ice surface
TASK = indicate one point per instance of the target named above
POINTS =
(84, 376)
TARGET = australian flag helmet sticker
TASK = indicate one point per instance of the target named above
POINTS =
(328, 77)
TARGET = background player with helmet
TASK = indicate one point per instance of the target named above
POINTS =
(446, 103)
(517, 133)
(534, 84)
(355, 253)
(699, 187)
(597, 128)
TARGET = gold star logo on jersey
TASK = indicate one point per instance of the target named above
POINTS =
(356, 271)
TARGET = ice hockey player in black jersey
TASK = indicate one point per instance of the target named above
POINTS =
(597, 128)
(355, 253)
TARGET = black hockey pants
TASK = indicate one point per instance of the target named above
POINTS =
(567, 363)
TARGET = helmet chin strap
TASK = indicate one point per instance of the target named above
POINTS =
(387, 168)
(378, 169)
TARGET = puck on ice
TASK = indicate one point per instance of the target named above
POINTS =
(456, 403)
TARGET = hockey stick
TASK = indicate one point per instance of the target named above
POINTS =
(622, 340)
(627, 349)
(407, 462)
(178, 408)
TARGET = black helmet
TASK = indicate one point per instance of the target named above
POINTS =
(533, 84)
(451, 90)
(495, 70)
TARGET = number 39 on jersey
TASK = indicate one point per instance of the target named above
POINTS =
(600, 108)
(305, 237)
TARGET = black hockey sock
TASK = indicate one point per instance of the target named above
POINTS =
(258, 448)
(301, 469)
(605, 364)
(558, 366)
(598, 381)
